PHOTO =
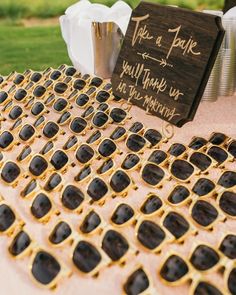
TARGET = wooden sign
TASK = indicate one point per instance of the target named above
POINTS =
(228, 5)
(166, 59)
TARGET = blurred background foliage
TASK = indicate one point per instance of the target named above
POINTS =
(16, 9)
(30, 35)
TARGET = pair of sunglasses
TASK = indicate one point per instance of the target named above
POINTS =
(40, 259)
(181, 195)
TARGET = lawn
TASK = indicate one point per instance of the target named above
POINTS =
(40, 47)
(49, 8)
(36, 48)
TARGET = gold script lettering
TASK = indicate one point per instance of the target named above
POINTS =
(140, 33)
(186, 45)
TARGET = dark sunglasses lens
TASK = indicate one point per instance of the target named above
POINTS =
(122, 214)
(55, 75)
(39, 91)
(176, 224)
(38, 165)
(157, 157)
(203, 187)
(72, 197)
(45, 268)
(86, 257)
(218, 154)
(10, 172)
(217, 138)
(118, 115)
(204, 213)
(130, 162)
(153, 136)
(64, 118)
(136, 127)
(232, 148)
(37, 108)
(207, 289)
(7, 217)
(174, 269)
(84, 154)
(78, 125)
(228, 203)
(152, 174)
(60, 233)
(83, 174)
(70, 71)
(120, 181)
(97, 189)
(228, 246)
(19, 79)
(102, 96)
(53, 182)
(137, 283)
(150, 235)
(19, 244)
(204, 258)
(39, 121)
(82, 100)
(60, 88)
(107, 148)
(27, 132)
(79, 84)
(59, 160)
(36, 77)
(50, 130)
(135, 143)
(60, 104)
(90, 222)
(100, 119)
(103, 107)
(96, 81)
(176, 149)
(71, 142)
(15, 112)
(6, 139)
(94, 137)
(88, 112)
(232, 281)
(20, 94)
(30, 187)
(151, 205)
(24, 154)
(47, 148)
(228, 179)
(114, 245)
(41, 206)
(182, 169)
(118, 133)
(178, 195)
(106, 166)
(197, 143)
(201, 161)
(3, 96)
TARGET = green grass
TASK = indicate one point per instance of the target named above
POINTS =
(35, 48)
(16, 9)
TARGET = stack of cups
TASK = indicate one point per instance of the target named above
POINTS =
(228, 77)
(213, 86)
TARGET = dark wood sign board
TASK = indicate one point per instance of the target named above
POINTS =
(228, 5)
(166, 60)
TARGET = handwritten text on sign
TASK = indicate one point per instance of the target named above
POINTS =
(155, 61)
